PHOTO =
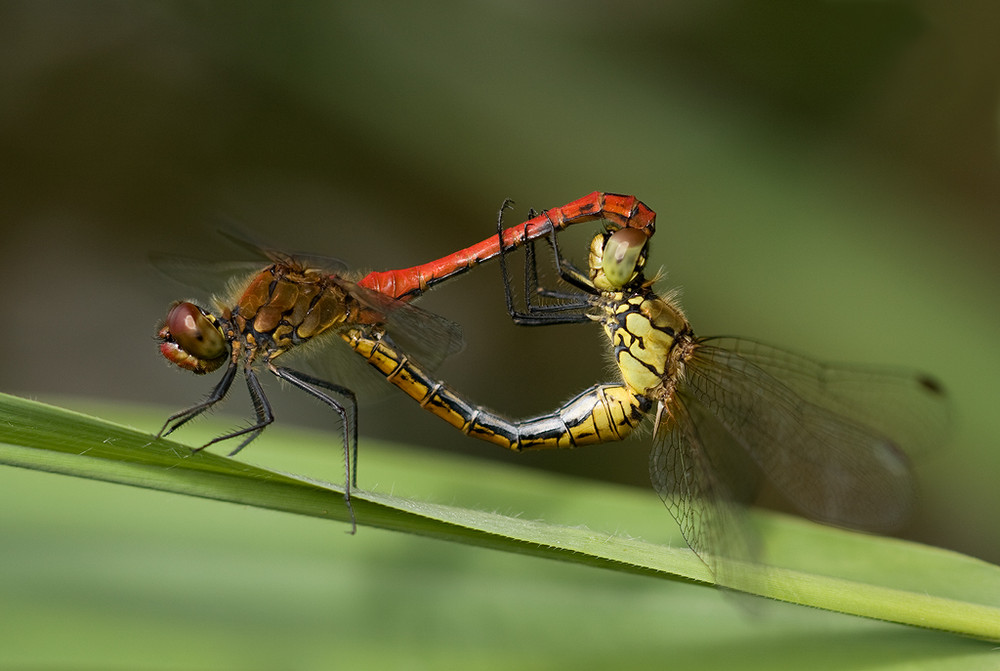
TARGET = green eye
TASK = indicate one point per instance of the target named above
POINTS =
(624, 256)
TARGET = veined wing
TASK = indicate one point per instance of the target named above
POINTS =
(834, 439)
(425, 337)
(698, 471)
(212, 278)
(218, 278)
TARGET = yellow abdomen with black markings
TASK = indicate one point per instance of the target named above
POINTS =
(605, 412)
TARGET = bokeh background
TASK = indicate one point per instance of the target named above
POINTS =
(825, 175)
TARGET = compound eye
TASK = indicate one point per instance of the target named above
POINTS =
(624, 256)
(192, 339)
(195, 331)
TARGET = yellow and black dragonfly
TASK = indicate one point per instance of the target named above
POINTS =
(833, 439)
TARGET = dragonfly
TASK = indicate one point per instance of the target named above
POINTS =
(834, 439)
(297, 300)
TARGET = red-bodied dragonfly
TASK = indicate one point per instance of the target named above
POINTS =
(832, 438)
(295, 300)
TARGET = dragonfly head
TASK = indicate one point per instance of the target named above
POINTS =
(617, 258)
(193, 339)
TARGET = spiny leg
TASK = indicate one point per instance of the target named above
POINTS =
(348, 415)
(568, 312)
(566, 270)
(262, 410)
(178, 419)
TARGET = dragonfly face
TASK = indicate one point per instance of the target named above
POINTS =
(618, 258)
(193, 339)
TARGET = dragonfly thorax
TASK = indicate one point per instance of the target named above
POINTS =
(286, 305)
(646, 333)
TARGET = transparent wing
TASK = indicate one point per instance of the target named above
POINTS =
(427, 337)
(834, 439)
(263, 250)
(693, 466)
(215, 278)
(209, 277)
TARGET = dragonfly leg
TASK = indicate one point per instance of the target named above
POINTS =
(178, 419)
(348, 411)
(573, 306)
(567, 271)
(262, 410)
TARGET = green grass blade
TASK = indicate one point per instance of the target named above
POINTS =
(825, 568)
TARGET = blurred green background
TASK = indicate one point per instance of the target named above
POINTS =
(825, 175)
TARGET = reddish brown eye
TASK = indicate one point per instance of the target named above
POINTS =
(192, 339)
(195, 331)
(623, 256)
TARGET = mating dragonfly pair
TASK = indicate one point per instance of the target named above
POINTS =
(725, 410)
